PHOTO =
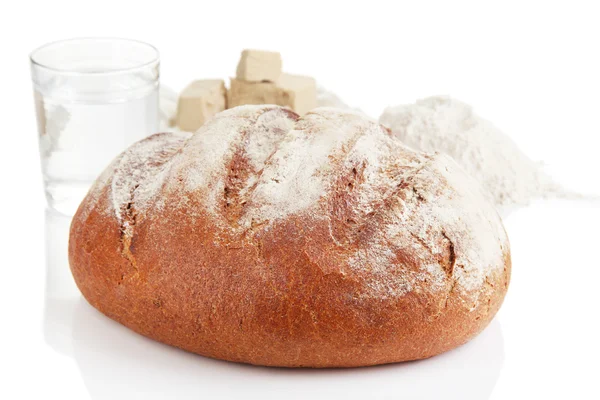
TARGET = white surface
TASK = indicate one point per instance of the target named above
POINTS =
(530, 67)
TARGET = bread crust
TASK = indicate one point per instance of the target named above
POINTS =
(210, 270)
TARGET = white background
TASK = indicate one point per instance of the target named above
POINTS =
(530, 67)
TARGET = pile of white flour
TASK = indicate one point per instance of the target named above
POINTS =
(449, 126)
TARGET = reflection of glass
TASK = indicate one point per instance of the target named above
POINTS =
(116, 363)
(94, 98)
(61, 294)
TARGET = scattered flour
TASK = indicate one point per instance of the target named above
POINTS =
(449, 126)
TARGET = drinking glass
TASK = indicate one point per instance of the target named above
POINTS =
(94, 97)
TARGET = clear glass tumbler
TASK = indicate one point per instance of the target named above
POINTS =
(94, 97)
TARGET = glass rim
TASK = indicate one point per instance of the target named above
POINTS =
(69, 71)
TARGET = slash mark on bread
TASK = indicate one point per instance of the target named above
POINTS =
(127, 232)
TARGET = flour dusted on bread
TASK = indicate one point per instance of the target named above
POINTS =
(137, 174)
(255, 165)
(304, 165)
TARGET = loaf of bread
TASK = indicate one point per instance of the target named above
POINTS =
(270, 239)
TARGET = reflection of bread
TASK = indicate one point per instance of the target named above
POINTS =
(271, 239)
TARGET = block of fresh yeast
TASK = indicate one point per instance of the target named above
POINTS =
(294, 91)
(199, 101)
(259, 66)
